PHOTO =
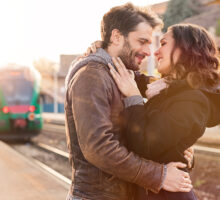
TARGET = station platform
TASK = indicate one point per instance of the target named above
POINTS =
(21, 179)
(57, 118)
(211, 137)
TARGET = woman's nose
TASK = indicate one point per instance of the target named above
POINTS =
(156, 53)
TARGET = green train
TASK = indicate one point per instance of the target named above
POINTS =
(20, 109)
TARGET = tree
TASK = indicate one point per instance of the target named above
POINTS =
(45, 66)
(178, 10)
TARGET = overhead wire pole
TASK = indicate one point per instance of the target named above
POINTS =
(151, 59)
(55, 89)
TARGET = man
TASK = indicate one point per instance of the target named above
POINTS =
(103, 168)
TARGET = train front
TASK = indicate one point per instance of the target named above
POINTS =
(20, 114)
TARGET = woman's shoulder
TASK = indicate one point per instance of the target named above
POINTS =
(181, 90)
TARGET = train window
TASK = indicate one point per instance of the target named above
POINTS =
(18, 92)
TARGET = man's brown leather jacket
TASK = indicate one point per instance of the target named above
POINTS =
(103, 169)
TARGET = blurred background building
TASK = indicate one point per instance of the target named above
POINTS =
(205, 13)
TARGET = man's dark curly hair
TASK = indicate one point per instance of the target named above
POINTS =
(125, 18)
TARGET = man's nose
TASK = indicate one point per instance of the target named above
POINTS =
(147, 50)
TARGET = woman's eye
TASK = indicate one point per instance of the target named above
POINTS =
(162, 44)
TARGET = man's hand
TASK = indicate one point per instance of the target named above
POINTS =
(188, 155)
(177, 180)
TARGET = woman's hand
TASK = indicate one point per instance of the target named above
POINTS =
(124, 78)
(93, 48)
(155, 88)
(188, 155)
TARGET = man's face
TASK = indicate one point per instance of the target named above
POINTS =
(136, 46)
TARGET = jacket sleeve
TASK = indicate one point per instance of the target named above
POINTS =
(180, 124)
(91, 102)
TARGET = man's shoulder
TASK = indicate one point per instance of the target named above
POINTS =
(95, 69)
(93, 73)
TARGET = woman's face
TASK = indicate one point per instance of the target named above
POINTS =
(163, 54)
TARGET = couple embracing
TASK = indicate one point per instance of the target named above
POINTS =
(120, 147)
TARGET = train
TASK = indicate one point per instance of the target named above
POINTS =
(20, 108)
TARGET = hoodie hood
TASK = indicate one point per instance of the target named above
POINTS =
(100, 56)
(214, 99)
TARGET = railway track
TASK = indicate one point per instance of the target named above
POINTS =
(52, 149)
(198, 149)
(49, 158)
(55, 161)
(54, 128)
(58, 153)
(52, 169)
(48, 168)
(57, 166)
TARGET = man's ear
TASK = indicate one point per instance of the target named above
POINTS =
(116, 37)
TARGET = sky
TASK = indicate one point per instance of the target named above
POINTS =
(34, 29)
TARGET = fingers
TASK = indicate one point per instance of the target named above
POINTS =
(186, 188)
(120, 66)
(189, 160)
(189, 151)
(159, 84)
(93, 48)
(187, 180)
(88, 51)
(155, 88)
(117, 65)
(186, 184)
(112, 70)
(114, 73)
(186, 175)
(179, 165)
(131, 73)
(188, 155)
(98, 43)
(177, 180)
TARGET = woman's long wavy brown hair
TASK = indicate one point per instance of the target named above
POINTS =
(199, 61)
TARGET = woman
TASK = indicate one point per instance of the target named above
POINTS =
(173, 120)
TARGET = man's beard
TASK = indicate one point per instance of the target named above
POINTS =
(127, 56)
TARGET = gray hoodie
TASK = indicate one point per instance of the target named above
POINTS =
(100, 56)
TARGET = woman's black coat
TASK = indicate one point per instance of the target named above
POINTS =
(170, 122)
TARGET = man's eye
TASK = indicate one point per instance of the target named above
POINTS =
(142, 42)
(163, 43)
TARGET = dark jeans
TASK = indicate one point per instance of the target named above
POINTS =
(164, 195)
